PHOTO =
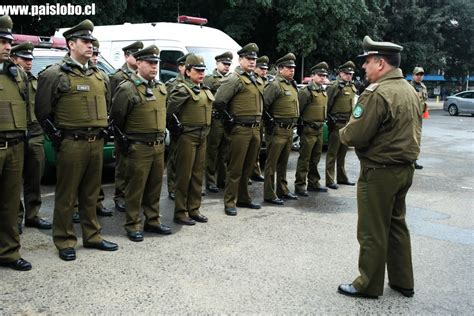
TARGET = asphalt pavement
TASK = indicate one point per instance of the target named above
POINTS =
(277, 260)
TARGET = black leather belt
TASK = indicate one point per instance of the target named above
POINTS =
(216, 115)
(151, 144)
(313, 125)
(79, 136)
(252, 124)
(4, 143)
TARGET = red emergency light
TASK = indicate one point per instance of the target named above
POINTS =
(40, 41)
(191, 20)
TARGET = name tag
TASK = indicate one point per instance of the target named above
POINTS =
(152, 98)
(346, 93)
(82, 87)
(287, 93)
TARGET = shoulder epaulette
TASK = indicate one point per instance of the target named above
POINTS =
(372, 87)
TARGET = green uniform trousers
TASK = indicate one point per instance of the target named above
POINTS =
(381, 228)
(257, 172)
(216, 154)
(336, 154)
(79, 172)
(171, 166)
(190, 156)
(311, 147)
(278, 152)
(120, 173)
(11, 169)
(32, 173)
(243, 151)
(144, 178)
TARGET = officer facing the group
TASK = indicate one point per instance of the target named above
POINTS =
(13, 126)
(124, 73)
(22, 56)
(217, 145)
(139, 111)
(385, 129)
(313, 102)
(191, 103)
(71, 105)
(341, 95)
(281, 105)
(240, 97)
(171, 163)
(422, 91)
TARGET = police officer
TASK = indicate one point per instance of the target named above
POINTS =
(313, 102)
(422, 91)
(13, 126)
(341, 95)
(191, 102)
(171, 163)
(22, 56)
(385, 129)
(124, 73)
(240, 96)
(139, 110)
(281, 104)
(71, 105)
(217, 144)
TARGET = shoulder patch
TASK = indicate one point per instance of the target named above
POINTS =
(358, 111)
(372, 87)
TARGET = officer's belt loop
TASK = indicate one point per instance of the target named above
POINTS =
(92, 139)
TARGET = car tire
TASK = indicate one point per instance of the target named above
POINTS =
(453, 110)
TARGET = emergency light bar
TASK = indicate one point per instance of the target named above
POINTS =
(192, 20)
(40, 41)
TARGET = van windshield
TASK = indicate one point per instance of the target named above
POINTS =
(208, 54)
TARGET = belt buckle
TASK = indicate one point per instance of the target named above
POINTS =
(4, 145)
(92, 139)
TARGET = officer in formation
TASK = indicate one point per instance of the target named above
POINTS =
(217, 144)
(124, 73)
(385, 129)
(22, 56)
(171, 163)
(14, 107)
(71, 104)
(282, 113)
(261, 70)
(240, 97)
(422, 91)
(341, 94)
(313, 102)
(190, 106)
(139, 111)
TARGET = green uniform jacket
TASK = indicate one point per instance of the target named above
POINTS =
(305, 99)
(170, 84)
(340, 88)
(214, 81)
(281, 88)
(53, 81)
(34, 128)
(385, 126)
(124, 73)
(422, 92)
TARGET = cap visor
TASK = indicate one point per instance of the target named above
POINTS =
(199, 67)
(263, 67)
(7, 36)
(25, 56)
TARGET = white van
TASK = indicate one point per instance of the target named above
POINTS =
(173, 39)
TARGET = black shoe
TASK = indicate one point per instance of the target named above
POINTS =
(184, 220)
(349, 290)
(203, 193)
(275, 201)
(251, 205)
(39, 223)
(120, 205)
(346, 182)
(231, 211)
(333, 186)
(212, 188)
(405, 292)
(258, 178)
(249, 182)
(171, 196)
(75, 218)
(135, 236)
(417, 166)
(289, 196)
(20, 229)
(67, 254)
(103, 211)
(302, 193)
(18, 264)
(199, 218)
(103, 245)
(160, 229)
(319, 189)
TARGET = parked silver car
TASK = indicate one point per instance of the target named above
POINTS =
(462, 102)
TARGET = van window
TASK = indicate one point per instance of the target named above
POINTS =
(168, 65)
(41, 62)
